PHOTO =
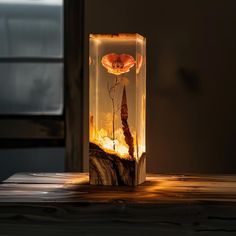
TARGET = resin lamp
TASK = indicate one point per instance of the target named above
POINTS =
(117, 120)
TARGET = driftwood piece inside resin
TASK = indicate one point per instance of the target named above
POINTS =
(110, 169)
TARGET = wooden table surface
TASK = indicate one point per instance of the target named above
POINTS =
(65, 204)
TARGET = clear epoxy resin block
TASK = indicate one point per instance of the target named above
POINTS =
(117, 120)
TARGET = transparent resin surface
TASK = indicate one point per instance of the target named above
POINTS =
(118, 93)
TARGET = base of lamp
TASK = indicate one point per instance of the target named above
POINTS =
(110, 169)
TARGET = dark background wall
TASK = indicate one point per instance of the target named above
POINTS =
(191, 78)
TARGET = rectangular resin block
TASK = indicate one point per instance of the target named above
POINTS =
(117, 122)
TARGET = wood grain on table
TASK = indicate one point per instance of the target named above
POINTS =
(74, 187)
(64, 204)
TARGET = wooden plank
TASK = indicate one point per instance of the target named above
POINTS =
(74, 83)
(111, 169)
(155, 178)
(64, 204)
(41, 128)
(46, 178)
(117, 219)
(158, 189)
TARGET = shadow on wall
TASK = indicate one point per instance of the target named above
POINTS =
(190, 78)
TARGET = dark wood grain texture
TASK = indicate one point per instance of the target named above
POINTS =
(116, 219)
(74, 187)
(74, 83)
(110, 169)
(64, 204)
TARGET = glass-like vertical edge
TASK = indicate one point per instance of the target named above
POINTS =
(140, 95)
(93, 106)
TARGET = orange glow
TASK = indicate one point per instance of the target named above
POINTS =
(139, 62)
(104, 141)
(117, 92)
(118, 64)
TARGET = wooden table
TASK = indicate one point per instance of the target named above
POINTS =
(64, 204)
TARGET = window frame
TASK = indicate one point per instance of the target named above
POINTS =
(66, 130)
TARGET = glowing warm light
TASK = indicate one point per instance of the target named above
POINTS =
(139, 62)
(102, 139)
(117, 91)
